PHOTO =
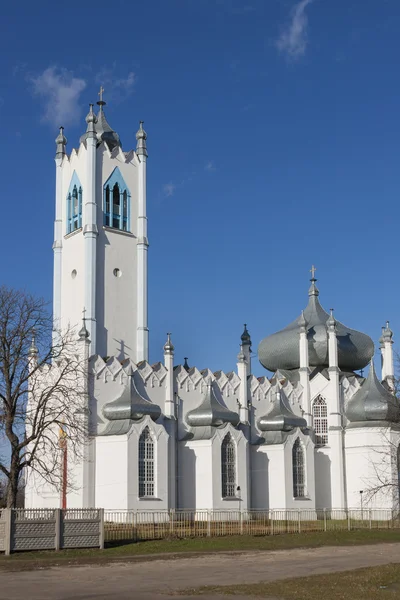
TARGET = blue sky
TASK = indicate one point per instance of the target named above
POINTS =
(273, 136)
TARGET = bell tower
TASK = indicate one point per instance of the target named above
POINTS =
(100, 239)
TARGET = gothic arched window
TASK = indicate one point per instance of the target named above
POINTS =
(146, 464)
(299, 470)
(228, 467)
(116, 202)
(74, 208)
(320, 420)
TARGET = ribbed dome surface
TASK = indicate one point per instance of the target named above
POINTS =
(281, 350)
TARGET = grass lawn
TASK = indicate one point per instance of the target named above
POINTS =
(372, 583)
(198, 545)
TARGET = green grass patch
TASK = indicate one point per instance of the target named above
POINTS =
(202, 545)
(372, 583)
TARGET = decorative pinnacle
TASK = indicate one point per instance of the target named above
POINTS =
(168, 346)
(185, 365)
(61, 142)
(83, 334)
(331, 322)
(302, 323)
(141, 137)
(245, 337)
(33, 351)
(387, 333)
(91, 121)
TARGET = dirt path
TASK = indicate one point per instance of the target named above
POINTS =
(159, 578)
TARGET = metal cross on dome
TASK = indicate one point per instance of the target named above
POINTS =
(101, 93)
(312, 271)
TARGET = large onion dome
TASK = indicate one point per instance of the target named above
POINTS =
(281, 350)
(372, 403)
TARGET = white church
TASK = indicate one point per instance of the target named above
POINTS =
(313, 435)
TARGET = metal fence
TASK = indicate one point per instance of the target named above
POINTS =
(54, 529)
(50, 529)
(152, 525)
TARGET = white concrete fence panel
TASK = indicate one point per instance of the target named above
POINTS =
(50, 529)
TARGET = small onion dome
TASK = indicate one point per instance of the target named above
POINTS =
(302, 323)
(372, 403)
(281, 417)
(211, 413)
(387, 333)
(141, 137)
(61, 142)
(245, 337)
(83, 333)
(91, 117)
(281, 350)
(33, 350)
(331, 322)
(382, 338)
(168, 346)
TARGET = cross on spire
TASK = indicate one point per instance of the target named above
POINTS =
(312, 271)
(101, 93)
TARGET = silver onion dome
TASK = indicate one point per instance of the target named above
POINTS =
(281, 417)
(281, 350)
(372, 403)
(211, 413)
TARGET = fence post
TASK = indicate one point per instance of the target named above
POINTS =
(57, 525)
(299, 517)
(171, 521)
(101, 528)
(370, 518)
(8, 532)
(325, 527)
(348, 521)
(241, 521)
(135, 528)
(272, 522)
(209, 523)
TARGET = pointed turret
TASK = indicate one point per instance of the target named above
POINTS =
(91, 121)
(141, 137)
(387, 333)
(61, 142)
(33, 350)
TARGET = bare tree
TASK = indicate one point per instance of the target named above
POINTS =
(42, 392)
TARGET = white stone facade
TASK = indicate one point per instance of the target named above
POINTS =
(169, 436)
